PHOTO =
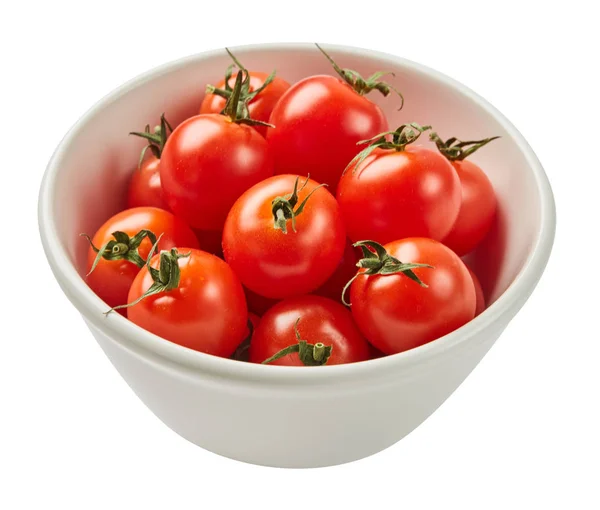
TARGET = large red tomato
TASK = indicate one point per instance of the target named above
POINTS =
(319, 121)
(284, 239)
(125, 247)
(310, 330)
(398, 306)
(478, 203)
(264, 90)
(395, 190)
(208, 162)
(195, 300)
(145, 189)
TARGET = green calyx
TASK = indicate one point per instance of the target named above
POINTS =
(377, 261)
(403, 136)
(165, 278)
(457, 150)
(284, 208)
(245, 93)
(311, 355)
(122, 247)
(238, 97)
(361, 85)
(156, 139)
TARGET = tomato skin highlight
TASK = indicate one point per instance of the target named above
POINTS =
(397, 314)
(277, 265)
(207, 312)
(318, 123)
(111, 279)
(321, 320)
(145, 189)
(477, 210)
(260, 107)
(480, 297)
(345, 270)
(396, 194)
(207, 163)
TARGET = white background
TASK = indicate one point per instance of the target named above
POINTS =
(521, 432)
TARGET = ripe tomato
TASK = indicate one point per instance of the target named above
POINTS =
(396, 313)
(210, 240)
(395, 190)
(314, 319)
(345, 270)
(206, 311)
(209, 161)
(480, 298)
(262, 97)
(478, 203)
(283, 241)
(114, 273)
(319, 121)
(144, 187)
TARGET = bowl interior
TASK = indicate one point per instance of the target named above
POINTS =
(93, 168)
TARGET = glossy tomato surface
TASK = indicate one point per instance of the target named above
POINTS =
(260, 107)
(207, 163)
(207, 312)
(111, 279)
(396, 314)
(272, 263)
(396, 194)
(477, 210)
(321, 320)
(318, 123)
(480, 297)
(145, 189)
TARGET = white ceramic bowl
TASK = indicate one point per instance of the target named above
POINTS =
(286, 416)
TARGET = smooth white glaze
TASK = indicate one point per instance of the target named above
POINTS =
(291, 416)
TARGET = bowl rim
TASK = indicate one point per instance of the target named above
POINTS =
(153, 348)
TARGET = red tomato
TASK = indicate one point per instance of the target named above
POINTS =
(395, 313)
(111, 279)
(207, 163)
(345, 270)
(478, 202)
(276, 264)
(480, 298)
(205, 312)
(258, 304)
(144, 186)
(321, 320)
(260, 107)
(399, 191)
(318, 123)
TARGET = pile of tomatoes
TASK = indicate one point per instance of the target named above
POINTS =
(287, 224)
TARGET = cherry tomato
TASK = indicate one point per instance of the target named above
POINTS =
(345, 270)
(145, 189)
(477, 210)
(144, 186)
(478, 201)
(258, 304)
(271, 256)
(480, 298)
(318, 123)
(260, 107)
(316, 320)
(207, 163)
(396, 313)
(399, 191)
(111, 279)
(205, 312)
